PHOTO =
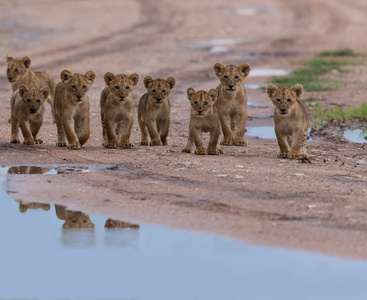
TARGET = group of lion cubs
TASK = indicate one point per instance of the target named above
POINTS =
(223, 108)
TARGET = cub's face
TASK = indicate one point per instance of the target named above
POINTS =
(284, 98)
(77, 85)
(33, 98)
(121, 85)
(231, 76)
(201, 101)
(17, 68)
(77, 219)
(158, 89)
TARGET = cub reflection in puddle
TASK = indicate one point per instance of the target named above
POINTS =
(112, 224)
(73, 219)
(28, 170)
(25, 205)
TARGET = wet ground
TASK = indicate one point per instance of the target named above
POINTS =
(150, 262)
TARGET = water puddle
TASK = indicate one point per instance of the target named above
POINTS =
(268, 72)
(254, 86)
(264, 132)
(52, 252)
(356, 135)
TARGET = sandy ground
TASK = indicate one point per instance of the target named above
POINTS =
(247, 193)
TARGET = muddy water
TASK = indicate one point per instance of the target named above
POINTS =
(356, 135)
(41, 258)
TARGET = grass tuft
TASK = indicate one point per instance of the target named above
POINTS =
(340, 52)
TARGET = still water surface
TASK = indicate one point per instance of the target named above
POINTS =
(42, 260)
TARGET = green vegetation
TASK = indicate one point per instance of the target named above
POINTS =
(320, 115)
(309, 74)
(341, 52)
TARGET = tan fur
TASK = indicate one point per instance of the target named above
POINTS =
(154, 111)
(111, 224)
(25, 205)
(232, 102)
(73, 219)
(291, 119)
(19, 73)
(117, 110)
(27, 113)
(71, 107)
(203, 118)
(28, 170)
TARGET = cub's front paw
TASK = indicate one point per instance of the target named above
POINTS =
(28, 142)
(283, 155)
(240, 142)
(156, 143)
(214, 151)
(293, 155)
(227, 142)
(186, 150)
(61, 144)
(111, 145)
(220, 150)
(14, 141)
(200, 151)
(144, 143)
(164, 142)
(74, 146)
(127, 145)
(38, 141)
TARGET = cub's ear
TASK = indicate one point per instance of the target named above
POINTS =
(90, 75)
(45, 91)
(171, 81)
(8, 59)
(66, 76)
(134, 78)
(108, 77)
(45, 206)
(190, 93)
(22, 90)
(23, 207)
(26, 62)
(244, 69)
(298, 89)
(148, 81)
(219, 68)
(271, 90)
(213, 94)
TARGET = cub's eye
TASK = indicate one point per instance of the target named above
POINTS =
(38, 101)
(73, 87)
(206, 103)
(117, 87)
(73, 221)
(16, 71)
(163, 91)
(225, 77)
(195, 102)
(28, 100)
(154, 91)
(84, 87)
(278, 100)
(289, 100)
(127, 87)
(236, 77)
(84, 220)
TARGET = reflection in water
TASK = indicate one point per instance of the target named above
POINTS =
(25, 205)
(111, 224)
(73, 219)
(28, 170)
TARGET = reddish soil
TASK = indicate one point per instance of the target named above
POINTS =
(247, 193)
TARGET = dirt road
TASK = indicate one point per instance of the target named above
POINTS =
(247, 193)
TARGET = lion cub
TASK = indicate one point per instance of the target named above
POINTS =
(154, 111)
(204, 118)
(18, 72)
(27, 113)
(71, 107)
(291, 120)
(73, 219)
(117, 109)
(232, 102)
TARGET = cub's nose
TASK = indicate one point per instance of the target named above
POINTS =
(231, 86)
(200, 111)
(158, 99)
(283, 110)
(122, 97)
(79, 97)
(32, 110)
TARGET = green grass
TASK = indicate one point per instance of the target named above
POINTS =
(340, 52)
(321, 115)
(309, 74)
